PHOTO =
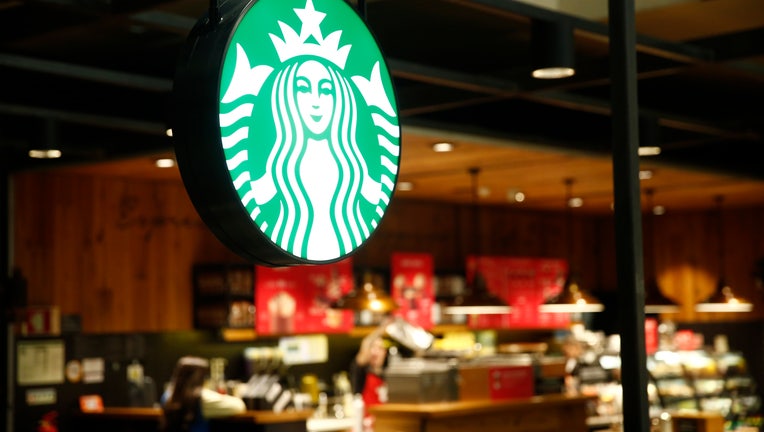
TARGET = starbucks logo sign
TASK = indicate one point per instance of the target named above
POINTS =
(305, 126)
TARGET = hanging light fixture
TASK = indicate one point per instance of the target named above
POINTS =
(572, 298)
(552, 49)
(723, 299)
(655, 301)
(48, 148)
(369, 298)
(476, 299)
(649, 136)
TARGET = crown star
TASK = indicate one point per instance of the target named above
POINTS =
(294, 45)
(311, 21)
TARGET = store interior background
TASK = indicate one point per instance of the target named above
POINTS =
(113, 242)
(117, 253)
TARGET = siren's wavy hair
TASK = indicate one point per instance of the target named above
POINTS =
(289, 231)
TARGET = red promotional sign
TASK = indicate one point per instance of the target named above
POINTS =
(510, 382)
(524, 283)
(296, 299)
(412, 287)
(651, 335)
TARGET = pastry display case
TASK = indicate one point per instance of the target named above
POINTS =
(703, 381)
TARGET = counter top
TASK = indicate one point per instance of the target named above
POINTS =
(330, 424)
(460, 408)
(250, 416)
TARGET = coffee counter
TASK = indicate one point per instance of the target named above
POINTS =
(127, 419)
(545, 413)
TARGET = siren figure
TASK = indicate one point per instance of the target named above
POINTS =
(315, 162)
(315, 185)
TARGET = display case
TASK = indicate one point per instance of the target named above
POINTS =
(224, 296)
(670, 387)
(703, 381)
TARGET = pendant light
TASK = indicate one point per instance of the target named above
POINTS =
(48, 148)
(369, 298)
(476, 299)
(655, 301)
(723, 299)
(572, 298)
(552, 49)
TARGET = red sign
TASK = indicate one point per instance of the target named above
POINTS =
(41, 320)
(412, 287)
(510, 382)
(296, 299)
(524, 283)
(687, 340)
(651, 335)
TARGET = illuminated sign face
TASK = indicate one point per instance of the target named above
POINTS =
(307, 126)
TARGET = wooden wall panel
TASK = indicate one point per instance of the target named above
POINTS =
(119, 251)
(411, 226)
(687, 259)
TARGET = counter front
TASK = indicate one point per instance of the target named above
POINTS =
(544, 413)
(126, 419)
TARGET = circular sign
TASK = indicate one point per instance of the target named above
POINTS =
(73, 371)
(286, 129)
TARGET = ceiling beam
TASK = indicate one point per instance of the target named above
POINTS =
(107, 122)
(88, 73)
(593, 30)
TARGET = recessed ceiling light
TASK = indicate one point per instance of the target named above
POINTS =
(514, 195)
(404, 186)
(168, 132)
(442, 147)
(649, 151)
(575, 202)
(659, 210)
(45, 153)
(645, 174)
(165, 163)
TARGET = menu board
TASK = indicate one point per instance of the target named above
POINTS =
(297, 299)
(412, 287)
(524, 283)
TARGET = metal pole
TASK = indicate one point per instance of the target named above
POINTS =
(628, 227)
(6, 382)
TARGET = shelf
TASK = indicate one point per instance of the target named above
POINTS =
(223, 296)
(711, 389)
(361, 331)
(238, 334)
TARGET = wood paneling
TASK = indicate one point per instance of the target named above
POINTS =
(119, 251)
(687, 257)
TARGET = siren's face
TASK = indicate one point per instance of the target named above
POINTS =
(315, 95)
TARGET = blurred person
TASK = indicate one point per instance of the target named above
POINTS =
(188, 405)
(367, 368)
(367, 371)
(573, 349)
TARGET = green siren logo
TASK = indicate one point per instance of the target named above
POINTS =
(309, 126)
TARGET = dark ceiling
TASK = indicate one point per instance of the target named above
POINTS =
(95, 76)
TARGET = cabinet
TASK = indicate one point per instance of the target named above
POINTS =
(703, 381)
(224, 296)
